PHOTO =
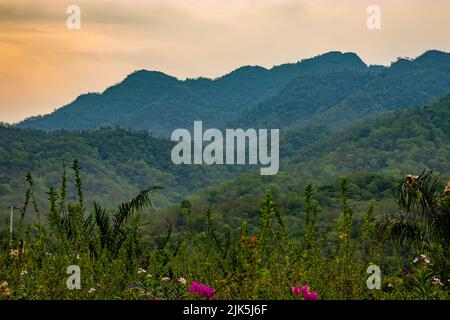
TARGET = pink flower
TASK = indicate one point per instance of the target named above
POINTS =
(305, 289)
(311, 296)
(201, 290)
(295, 290)
(308, 294)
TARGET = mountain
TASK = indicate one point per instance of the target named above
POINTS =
(340, 98)
(160, 103)
(331, 89)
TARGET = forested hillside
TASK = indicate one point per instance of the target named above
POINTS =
(375, 154)
(116, 163)
(333, 89)
(340, 98)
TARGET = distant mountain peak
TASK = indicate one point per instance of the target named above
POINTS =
(431, 54)
(347, 60)
(146, 75)
(434, 57)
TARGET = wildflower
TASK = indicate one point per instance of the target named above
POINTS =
(78, 256)
(447, 188)
(390, 285)
(421, 258)
(165, 279)
(253, 240)
(4, 290)
(308, 294)
(411, 179)
(311, 296)
(23, 272)
(141, 270)
(92, 290)
(295, 290)
(201, 290)
(182, 280)
(14, 253)
(437, 282)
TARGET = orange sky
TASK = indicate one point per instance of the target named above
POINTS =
(43, 65)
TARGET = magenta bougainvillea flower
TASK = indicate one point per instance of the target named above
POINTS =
(295, 290)
(308, 294)
(305, 291)
(201, 290)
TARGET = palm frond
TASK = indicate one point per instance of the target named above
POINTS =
(401, 227)
(141, 201)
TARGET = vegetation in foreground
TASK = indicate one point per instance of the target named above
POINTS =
(119, 259)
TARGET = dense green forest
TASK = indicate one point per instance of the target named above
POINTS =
(375, 154)
(117, 163)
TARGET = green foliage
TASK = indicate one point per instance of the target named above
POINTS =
(119, 259)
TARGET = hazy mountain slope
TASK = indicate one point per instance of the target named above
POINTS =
(339, 98)
(160, 103)
(305, 97)
(404, 141)
(375, 154)
(116, 164)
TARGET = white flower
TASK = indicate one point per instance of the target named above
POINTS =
(182, 280)
(421, 258)
(78, 256)
(390, 285)
(142, 270)
(165, 279)
(92, 290)
(437, 282)
(23, 272)
(14, 253)
(4, 290)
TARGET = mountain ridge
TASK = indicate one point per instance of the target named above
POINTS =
(249, 95)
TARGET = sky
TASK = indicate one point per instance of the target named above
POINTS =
(44, 65)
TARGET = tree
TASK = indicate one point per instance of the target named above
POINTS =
(424, 215)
